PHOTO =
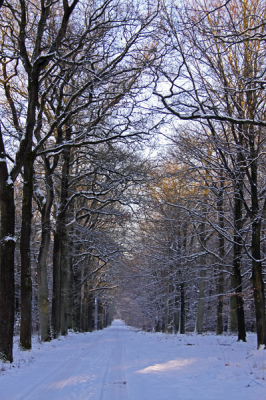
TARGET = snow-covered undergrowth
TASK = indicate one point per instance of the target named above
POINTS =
(121, 363)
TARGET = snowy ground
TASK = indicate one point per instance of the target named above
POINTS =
(121, 363)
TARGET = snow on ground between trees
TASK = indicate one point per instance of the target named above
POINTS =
(122, 363)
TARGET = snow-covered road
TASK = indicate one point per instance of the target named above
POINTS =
(120, 363)
(90, 367)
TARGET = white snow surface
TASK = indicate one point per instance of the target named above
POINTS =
(123, 363)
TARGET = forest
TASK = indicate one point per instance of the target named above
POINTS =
(132, 167)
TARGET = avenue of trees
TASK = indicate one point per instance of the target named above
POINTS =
(87, 224)
(202, 226)
(72, 79)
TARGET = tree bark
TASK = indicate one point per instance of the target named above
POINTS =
(221, 251)
(66, 280)
(67, 288)
(56, 282)
(237, 278)
(26, 283)
(77, 299)
(42, 263)
(7, 248)
(219, 326)
(87, 310)
(239, 295)
(176, 315)
(60, 247)
(257, 277)
(96, 313)
(257, 282)
(232, 319)
(27, 163)
(200, 314)
(182, 309)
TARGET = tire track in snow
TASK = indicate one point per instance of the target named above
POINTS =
(86, 367)
(67, 376)
(114, 383)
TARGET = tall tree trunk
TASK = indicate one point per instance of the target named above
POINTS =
(221, 244)
(26, 283)
(56, 282)
(257, 277)
(236, 276)
(232, 320)
(87, 310)
(42, 263)
(96, 313)
(182, 309)
(7, 247)
(258, 285)
(90, 308)
(60, 246)
(100, 315)
(237, 279)
(85, 306)
(219, 326)
(77, 299)
(63, 286)
(27, 162)
(66, 280)
(70, 299)
(176, 314)
(200, 314)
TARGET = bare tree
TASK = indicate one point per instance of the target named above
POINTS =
(219, 83)
(79, 56)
